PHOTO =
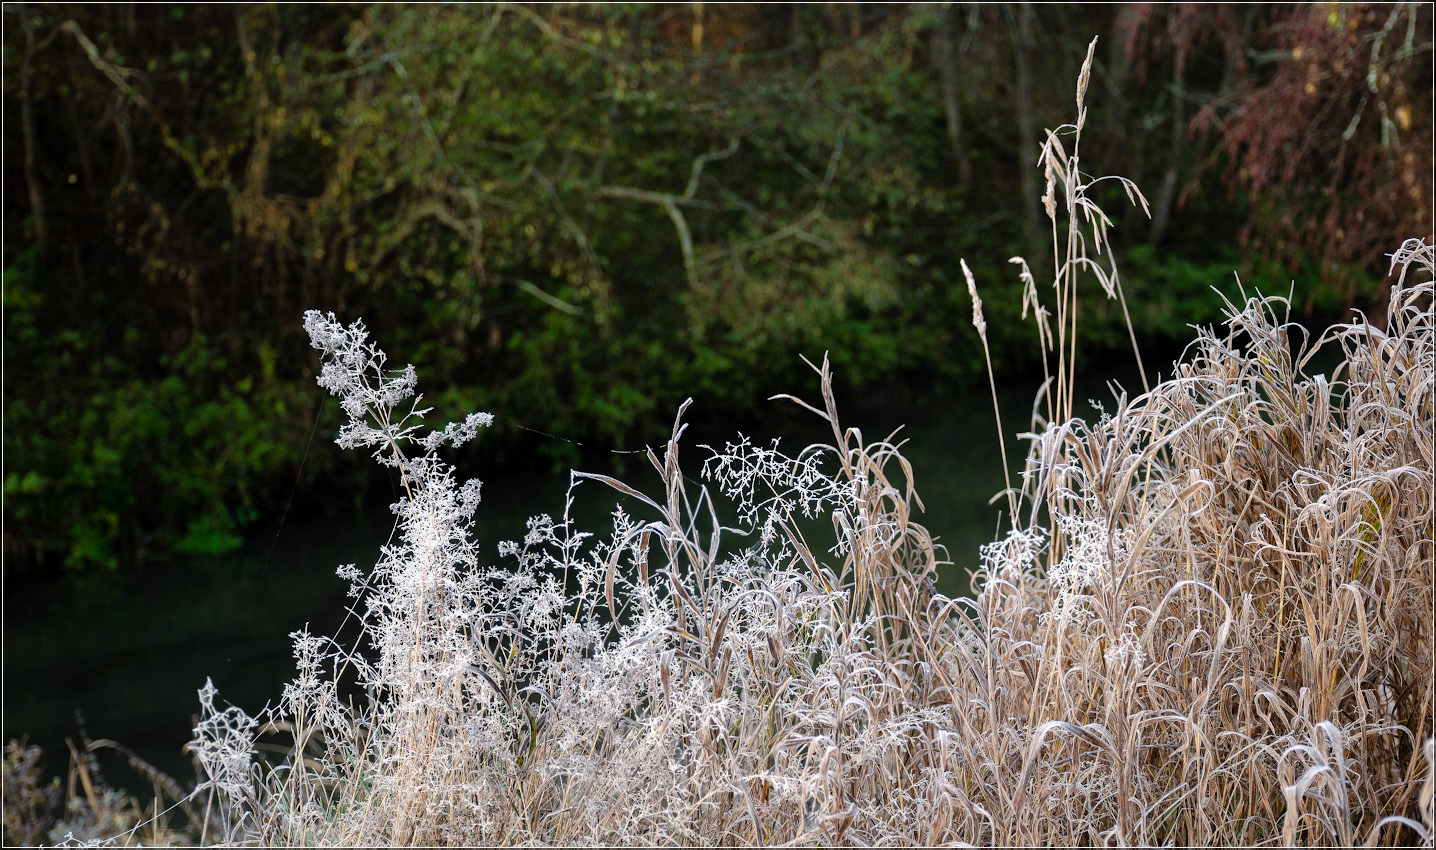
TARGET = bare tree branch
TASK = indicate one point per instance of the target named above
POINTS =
(671, 204)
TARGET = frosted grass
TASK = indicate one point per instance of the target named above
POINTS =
(1221, 637)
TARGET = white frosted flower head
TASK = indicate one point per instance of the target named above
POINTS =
(1015, 555)
(224, 745)
(978, 321)
(1125, 654)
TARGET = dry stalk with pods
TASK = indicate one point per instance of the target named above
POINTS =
(1079, 238)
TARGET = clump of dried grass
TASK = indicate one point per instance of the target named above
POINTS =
(1228, 639)
(1222, 636)
(30, 804)
(1226, 636)
(88, 810)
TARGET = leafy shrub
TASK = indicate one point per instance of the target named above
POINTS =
(106, 462)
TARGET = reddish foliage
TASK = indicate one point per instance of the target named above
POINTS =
(1329, 131)
(710, 26)
(1185, 27)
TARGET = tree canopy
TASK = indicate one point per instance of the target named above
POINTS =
(579, 215)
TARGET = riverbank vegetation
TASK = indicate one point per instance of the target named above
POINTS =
(581, 215)
(1222, 637)
(1208, 623)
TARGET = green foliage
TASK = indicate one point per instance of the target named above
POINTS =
(579, 215)
(102, 463)
(1168, 294)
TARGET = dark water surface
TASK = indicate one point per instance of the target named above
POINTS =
(131, 658)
